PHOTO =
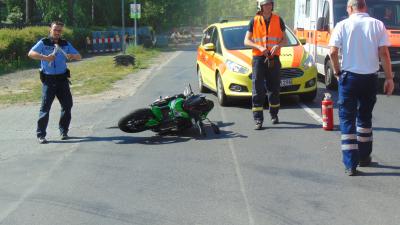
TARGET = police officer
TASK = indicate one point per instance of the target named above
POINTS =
(266, 36)
(363, 40)
(54, 76)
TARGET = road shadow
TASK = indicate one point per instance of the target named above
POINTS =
(377, 165)
(156, 139)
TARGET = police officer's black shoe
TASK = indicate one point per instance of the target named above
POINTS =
(64, 136)
(258, 125)
(365, 162)
(275, 120)
(42, 140)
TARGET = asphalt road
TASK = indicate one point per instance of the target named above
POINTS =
(286, 174)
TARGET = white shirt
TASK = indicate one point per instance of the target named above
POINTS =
(359, 37)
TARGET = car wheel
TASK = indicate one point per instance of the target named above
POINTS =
(222, 98)
(330, 79)
(202, 88)
(309, 96)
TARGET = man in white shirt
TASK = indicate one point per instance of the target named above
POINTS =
(363, 40)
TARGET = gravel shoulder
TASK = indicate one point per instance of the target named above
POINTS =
(12, 82)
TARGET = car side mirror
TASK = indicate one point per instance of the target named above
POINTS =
(303, 41)
(209, 47)
(321, 24)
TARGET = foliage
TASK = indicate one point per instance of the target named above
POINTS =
(88, 77)
(162, 15)
(15, 44)
(15, 15)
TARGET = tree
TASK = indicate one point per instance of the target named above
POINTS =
(28, 10)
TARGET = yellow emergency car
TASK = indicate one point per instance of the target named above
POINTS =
(224, 64)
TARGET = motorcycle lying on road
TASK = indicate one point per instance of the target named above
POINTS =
(171, 114)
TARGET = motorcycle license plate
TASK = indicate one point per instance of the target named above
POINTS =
(286, 82)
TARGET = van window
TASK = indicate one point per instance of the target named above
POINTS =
(308, 8)
(386, 11)
(339, 11)
(326, 13)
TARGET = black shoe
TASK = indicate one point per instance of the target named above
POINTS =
(351, 172)
(365, 162)
(275, 120)
(42, 140)
(64, 136)
(258, 125)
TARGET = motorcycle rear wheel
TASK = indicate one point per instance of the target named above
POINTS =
(135, 121)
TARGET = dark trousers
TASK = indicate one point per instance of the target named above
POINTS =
(55, 87)
(265, 80)
(357, 97)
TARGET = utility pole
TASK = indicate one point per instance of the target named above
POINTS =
(92, 11)
(28, 11)
(123, 25)
(135, 27)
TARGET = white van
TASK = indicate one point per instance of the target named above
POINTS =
(315, 19)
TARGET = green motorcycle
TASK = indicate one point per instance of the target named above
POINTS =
(171, 114)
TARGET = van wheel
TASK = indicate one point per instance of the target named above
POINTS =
(222, 98)
(330, 79)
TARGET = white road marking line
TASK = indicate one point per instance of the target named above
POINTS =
(239, 174)
(310, 112)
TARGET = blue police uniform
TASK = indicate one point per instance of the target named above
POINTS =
(54, 76)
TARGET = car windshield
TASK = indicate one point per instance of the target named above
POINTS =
(234, 37)
(386, 11)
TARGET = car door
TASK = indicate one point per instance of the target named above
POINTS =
(205, 58)
(217, 58)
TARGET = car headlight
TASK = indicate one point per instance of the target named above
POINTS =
(234, 67)
(309, 62)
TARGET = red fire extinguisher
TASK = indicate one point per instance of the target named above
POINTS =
(327, 112)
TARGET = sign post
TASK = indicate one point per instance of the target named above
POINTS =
(123, 25)
(135, 14)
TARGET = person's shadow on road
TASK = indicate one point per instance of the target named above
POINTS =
(156, 139)
(377, 165)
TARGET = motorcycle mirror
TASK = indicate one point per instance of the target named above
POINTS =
(190, 88)
(186, 92)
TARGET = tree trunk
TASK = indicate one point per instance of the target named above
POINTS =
(28, 11)
(71, 12)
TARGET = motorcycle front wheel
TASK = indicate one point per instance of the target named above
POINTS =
(135, 121)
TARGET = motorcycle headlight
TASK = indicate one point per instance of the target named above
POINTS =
(309, 62)
(234, 67)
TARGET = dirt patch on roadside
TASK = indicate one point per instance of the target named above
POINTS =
(12, 82)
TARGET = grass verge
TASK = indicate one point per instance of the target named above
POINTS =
(88, 77)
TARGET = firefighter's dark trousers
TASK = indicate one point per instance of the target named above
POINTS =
(357, 97)
(55, 87)
(266, 80)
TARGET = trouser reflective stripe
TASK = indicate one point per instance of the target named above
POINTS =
(357, 97)
(266, 82)
(254, 109)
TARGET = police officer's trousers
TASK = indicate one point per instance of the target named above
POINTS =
(357, 97)
(55, 87)
(265, 81)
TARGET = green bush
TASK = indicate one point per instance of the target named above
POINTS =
(16, 43)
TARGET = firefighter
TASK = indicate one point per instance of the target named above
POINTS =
(266, 36)
(358, 80)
